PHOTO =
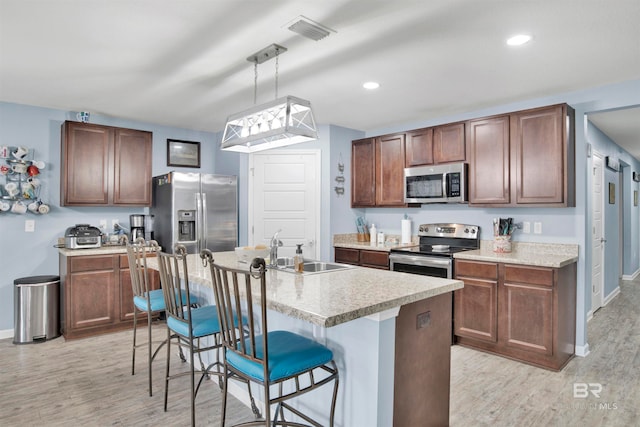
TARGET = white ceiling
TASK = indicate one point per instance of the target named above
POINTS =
(183, 63)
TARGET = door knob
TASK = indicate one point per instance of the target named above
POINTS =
(603, 240)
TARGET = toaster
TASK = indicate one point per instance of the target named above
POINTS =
(82, 236)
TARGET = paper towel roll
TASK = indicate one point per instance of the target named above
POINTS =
(406, 231)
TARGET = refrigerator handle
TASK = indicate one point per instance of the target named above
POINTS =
(198, 221)
(203, 237)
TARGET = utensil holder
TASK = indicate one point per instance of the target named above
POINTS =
(363, 237)
(502, 244)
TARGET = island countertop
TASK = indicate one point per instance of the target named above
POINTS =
(331, 298)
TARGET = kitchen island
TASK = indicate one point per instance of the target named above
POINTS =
(390, 333)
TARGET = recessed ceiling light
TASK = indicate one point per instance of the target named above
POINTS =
(518, 39)
(371, 85)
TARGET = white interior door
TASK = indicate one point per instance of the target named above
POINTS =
(285, 195)
(597, 215)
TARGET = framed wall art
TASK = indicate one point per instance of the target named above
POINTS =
(183, 153)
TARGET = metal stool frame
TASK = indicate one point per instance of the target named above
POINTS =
(137, 253)
(233, 289)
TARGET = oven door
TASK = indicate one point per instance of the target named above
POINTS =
(422, 264)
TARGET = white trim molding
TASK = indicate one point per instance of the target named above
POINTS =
(582, 350)
(6, 333)
(611, 296)
(632, 276)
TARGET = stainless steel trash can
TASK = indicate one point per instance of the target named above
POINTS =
(36, 309)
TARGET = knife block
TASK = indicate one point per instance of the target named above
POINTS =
(363, 237)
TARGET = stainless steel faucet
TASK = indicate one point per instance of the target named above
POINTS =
(273, 245)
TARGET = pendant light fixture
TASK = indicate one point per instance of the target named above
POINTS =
(284, 121)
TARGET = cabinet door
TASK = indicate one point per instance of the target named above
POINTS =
(86, 164)
(363, 179)
(448, 143)
(390, 157)
(539, 148)
(476, 310)
(526, 312)
(475, 306)
(489, 161)
(91, 294)
(419, 147)
(132, 173)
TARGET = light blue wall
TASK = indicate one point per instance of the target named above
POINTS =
(28, 254)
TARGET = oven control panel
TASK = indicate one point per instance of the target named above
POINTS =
(464, 231)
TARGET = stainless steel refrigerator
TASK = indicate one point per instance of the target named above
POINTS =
(197, 210)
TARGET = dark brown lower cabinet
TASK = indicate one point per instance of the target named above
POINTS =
(362, 257)
(521, 312)
(96, 294)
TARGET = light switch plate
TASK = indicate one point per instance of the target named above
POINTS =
(526, 227)
(537, 228)
(29, 225)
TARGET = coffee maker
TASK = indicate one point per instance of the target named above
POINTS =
(136, 223)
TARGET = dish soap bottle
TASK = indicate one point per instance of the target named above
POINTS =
(373, 234)
(298, 260)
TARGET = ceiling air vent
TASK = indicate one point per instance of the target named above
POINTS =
(309, 29)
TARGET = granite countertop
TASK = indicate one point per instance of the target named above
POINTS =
(331, 298)
(104, 250)
(351, 241)
(536, 254)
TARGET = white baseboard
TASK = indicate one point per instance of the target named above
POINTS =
(611, 296)
(6, 333)
(632, 276)
(582, 350)
(589, 315)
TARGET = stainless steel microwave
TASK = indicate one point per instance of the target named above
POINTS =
(436, 184)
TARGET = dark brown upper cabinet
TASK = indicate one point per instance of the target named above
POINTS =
(105, 166)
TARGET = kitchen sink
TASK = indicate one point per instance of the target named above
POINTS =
(310, 267)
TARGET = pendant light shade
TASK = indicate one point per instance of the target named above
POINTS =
(278, 123)
(281, 122)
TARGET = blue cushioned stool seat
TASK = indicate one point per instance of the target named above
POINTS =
(289, 354)
(204, 320)
(156, 301)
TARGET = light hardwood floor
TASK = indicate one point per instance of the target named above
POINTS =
(88, 382)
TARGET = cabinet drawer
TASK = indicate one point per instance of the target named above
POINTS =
(91, 263)
(485, 270)
(346, 255)
(529, 275)
(376, 258)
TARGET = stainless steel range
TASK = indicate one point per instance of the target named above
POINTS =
(434, 255)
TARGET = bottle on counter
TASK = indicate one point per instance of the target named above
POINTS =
(373, 233)
(298, 259)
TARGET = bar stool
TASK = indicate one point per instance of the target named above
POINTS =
(269, 358)
(145, 299)
(186, 324)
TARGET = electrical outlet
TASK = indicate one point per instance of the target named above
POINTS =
(526, 227)
(29, 225)
(537, 228)
(113, 223)
(103, 224)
